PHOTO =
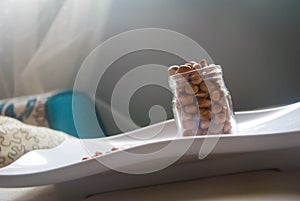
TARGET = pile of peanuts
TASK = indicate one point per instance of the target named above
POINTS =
(98, 153)
(202, 102)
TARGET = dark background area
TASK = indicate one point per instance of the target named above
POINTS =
(256, 42)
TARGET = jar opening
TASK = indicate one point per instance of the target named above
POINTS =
(206, 72)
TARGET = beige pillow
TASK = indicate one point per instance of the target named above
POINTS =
(17, 138)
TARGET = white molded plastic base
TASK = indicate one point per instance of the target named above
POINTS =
(267, 139)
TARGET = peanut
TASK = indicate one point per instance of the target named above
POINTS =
(186, 100)
(180, 90)
(215, 96)
(114, 149)
(186, 133)
(204, 124)
(219, 118)
(216, 128)
(201, 94)
(205, 114)
(204, 132)
(183, 69)
(196, 78)
(186, 116)
(172, 70)
(203, 87)
(189, 125)
(216, 108)
(222, 102)
(203, 63)
(211, 85)
(191, 89)
(97, 153)
(85, 158)
(227, 128)
(197, 66)
(191, 109)
(202, 102)
(190, 64)
(193, 132)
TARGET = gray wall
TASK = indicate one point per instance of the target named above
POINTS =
(257, 43)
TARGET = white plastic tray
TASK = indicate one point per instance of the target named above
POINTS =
(267, 139)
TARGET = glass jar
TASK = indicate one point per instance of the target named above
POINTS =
(202, 104)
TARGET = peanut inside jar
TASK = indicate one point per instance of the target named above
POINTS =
(202, 103)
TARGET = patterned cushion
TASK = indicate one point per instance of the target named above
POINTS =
(28, 109)
(17, 138)
(54, 110)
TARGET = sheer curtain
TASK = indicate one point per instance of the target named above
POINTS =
(44, 42)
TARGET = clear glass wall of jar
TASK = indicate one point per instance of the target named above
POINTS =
(202, 104)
